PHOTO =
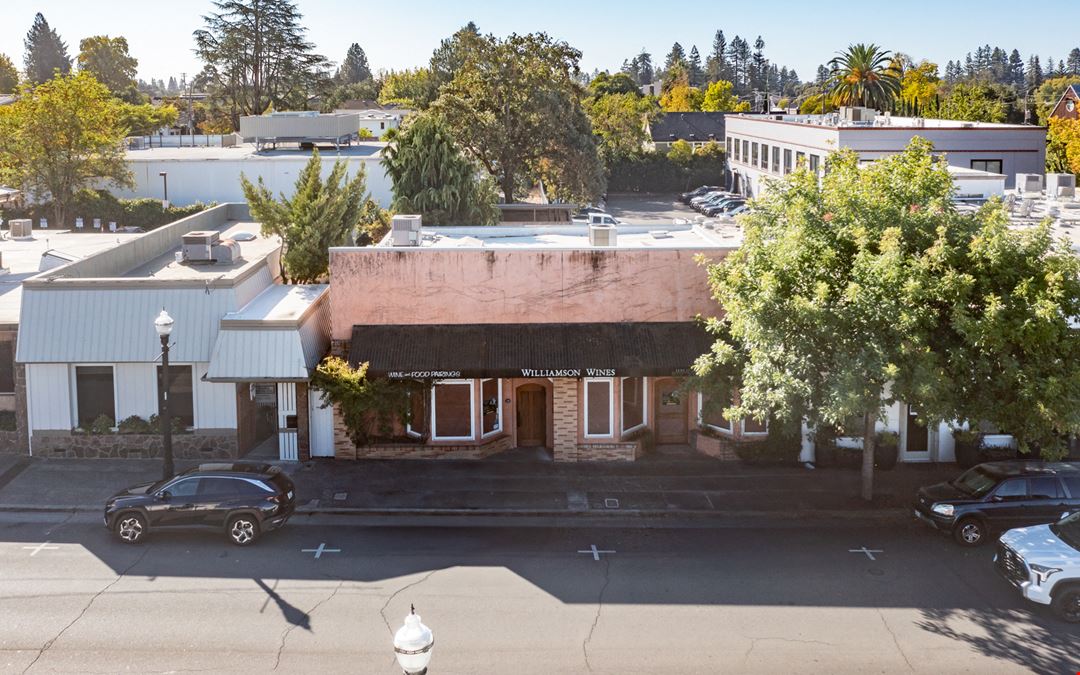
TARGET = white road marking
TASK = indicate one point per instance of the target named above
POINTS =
(34, 550)
(868, 551)
(319, 551)
(595, 552)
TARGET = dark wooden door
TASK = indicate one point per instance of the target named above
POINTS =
(917, 437)
(531, 416)
(670, 412)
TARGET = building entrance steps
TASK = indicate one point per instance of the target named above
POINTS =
(657, 485)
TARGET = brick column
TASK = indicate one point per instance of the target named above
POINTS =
(303, 423)
(565, 419)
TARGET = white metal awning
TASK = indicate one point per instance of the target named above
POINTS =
(280, 336)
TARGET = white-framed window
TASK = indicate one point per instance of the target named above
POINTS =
(452, 410)
(490, 407)
(633, 390)
(599, 408)
(775, 159)
(181, 393)
(95, 394)
(751, 427)
(713, 417)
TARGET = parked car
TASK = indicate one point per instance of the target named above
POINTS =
(714, 201)
(582, 214)
(1044, 563)
(999, 496)
(724, 208)
(697, 192)
(243, 500)
(709, 195)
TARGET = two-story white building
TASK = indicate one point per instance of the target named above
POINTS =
(760, 147)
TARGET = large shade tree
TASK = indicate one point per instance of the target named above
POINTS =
(863, 75)
(109, 61)
(515, 105)
(61, 136)
(9, 75)
(433, 178)
(257, 56)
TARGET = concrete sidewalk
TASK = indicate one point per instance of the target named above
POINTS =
(688, 486)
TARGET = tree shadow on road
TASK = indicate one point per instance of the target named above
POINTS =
(293, 615)
(1044, 646)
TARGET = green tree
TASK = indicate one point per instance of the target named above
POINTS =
(919, 86)
(355, 67)
(1063, 146)
(413, 88)
(9, 76)
(61, 136)
(146, 119)
(450, 56)
(681, 152)
(515, 105)
(605, 84)
(861, 75)
(719, 97)
(333, 98)
(434, 179)
(1049, 93)
(318, 215)
(108, 60)
(257, 56)
(618, 120)
(45, 54)
(969, 102)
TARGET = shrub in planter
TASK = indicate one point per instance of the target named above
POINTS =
(646, 437)
(135, 425)
(101, 426)
(968, 448)
(777, 448)
(850, 458)
(886, 450)
(825, 450)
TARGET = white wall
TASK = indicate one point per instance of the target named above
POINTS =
(136, 390)
(215, 402)
(218, 180)
(48, 396)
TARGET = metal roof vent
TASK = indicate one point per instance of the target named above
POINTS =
(197, 247)
(405, 230)
(660, 234)
(603, 235)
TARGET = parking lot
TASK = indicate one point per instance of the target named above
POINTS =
(637, 209)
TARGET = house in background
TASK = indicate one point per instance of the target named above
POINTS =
(1068, 106)
(696, 128)
(242, 350)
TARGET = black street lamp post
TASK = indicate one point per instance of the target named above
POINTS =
(164, 325)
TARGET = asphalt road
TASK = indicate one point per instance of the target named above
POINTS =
(767, 599)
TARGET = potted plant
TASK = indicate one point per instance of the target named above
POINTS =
(968, 447)
(886, 450)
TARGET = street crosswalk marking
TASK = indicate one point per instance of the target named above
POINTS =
(595, 552)
(868, 551)
(34, 550)
(320, 550)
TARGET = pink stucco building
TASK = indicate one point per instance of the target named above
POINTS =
(532, 336)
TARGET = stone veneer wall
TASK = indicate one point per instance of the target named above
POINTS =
(11, 443)
(565, 419)
(623, 451)
(135, 446)
(418, 451)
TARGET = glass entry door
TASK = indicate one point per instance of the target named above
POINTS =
(915, 437)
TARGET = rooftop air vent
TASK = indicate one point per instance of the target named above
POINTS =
(198, 247)
(603, 235)
(405, 230)
(21, 228)
(1061, 185)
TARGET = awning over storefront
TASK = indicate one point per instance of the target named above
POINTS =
(529, 350)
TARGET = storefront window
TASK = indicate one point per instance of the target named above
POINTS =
(491, 400)
(598, 407)
(752, 426)
(181, 394)
(633, 403)
(94, 393)
(712, 416)
(452, 410)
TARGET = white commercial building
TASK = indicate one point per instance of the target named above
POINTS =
(212, 174)
(771, 146)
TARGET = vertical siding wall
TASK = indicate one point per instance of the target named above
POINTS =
(49, 396)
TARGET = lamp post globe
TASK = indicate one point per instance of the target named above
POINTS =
(412, 645)
(163, 324)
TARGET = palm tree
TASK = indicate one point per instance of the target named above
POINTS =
(864, 75)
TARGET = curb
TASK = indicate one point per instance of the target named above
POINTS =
(877, 515)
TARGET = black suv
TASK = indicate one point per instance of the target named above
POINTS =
(243, 499)
(999, 496)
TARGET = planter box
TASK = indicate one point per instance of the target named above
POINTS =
(712, 446)
(135, 446)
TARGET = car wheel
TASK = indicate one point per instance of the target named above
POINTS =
(130, 528)
(970, 532)
(1066, 604)
(243, 530)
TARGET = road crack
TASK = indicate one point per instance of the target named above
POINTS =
(596, 619)
(755, 640)
(45, 647)
(290, 629)
(895, 640)
(404, 588)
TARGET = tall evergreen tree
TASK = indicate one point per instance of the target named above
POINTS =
(45, 54)
(355, 67)
(1073, 63)
(758, 65)
(1034, 74)
(739, 58)
(677, 56)
(693, 68)
(716, 64)
(1016, 69)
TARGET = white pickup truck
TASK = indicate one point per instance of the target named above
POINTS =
(1044, 563)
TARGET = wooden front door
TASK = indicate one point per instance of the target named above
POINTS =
(531, 416)
(670, 412)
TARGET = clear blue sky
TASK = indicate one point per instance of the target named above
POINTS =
(396, 35)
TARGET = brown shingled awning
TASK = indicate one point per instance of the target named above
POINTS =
(429, 351)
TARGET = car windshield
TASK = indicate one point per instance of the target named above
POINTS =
(1068, 530)
(976, 482)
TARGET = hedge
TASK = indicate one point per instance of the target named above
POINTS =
(655, 172)
(89, 204)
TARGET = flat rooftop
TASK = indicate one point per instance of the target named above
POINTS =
(248, 152)
(880, 122)
(22, 258)
(165, 267)
(279, 303)
(674, 236)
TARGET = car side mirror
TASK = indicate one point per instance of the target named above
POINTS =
(165, 495)
(997, 498)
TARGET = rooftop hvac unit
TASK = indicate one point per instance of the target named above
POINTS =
(225, 252)
(405, 230)
(1061, 185)
(1027, 183)
(198, 246)
(21, 228)
(858, 114)
(603, 235)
